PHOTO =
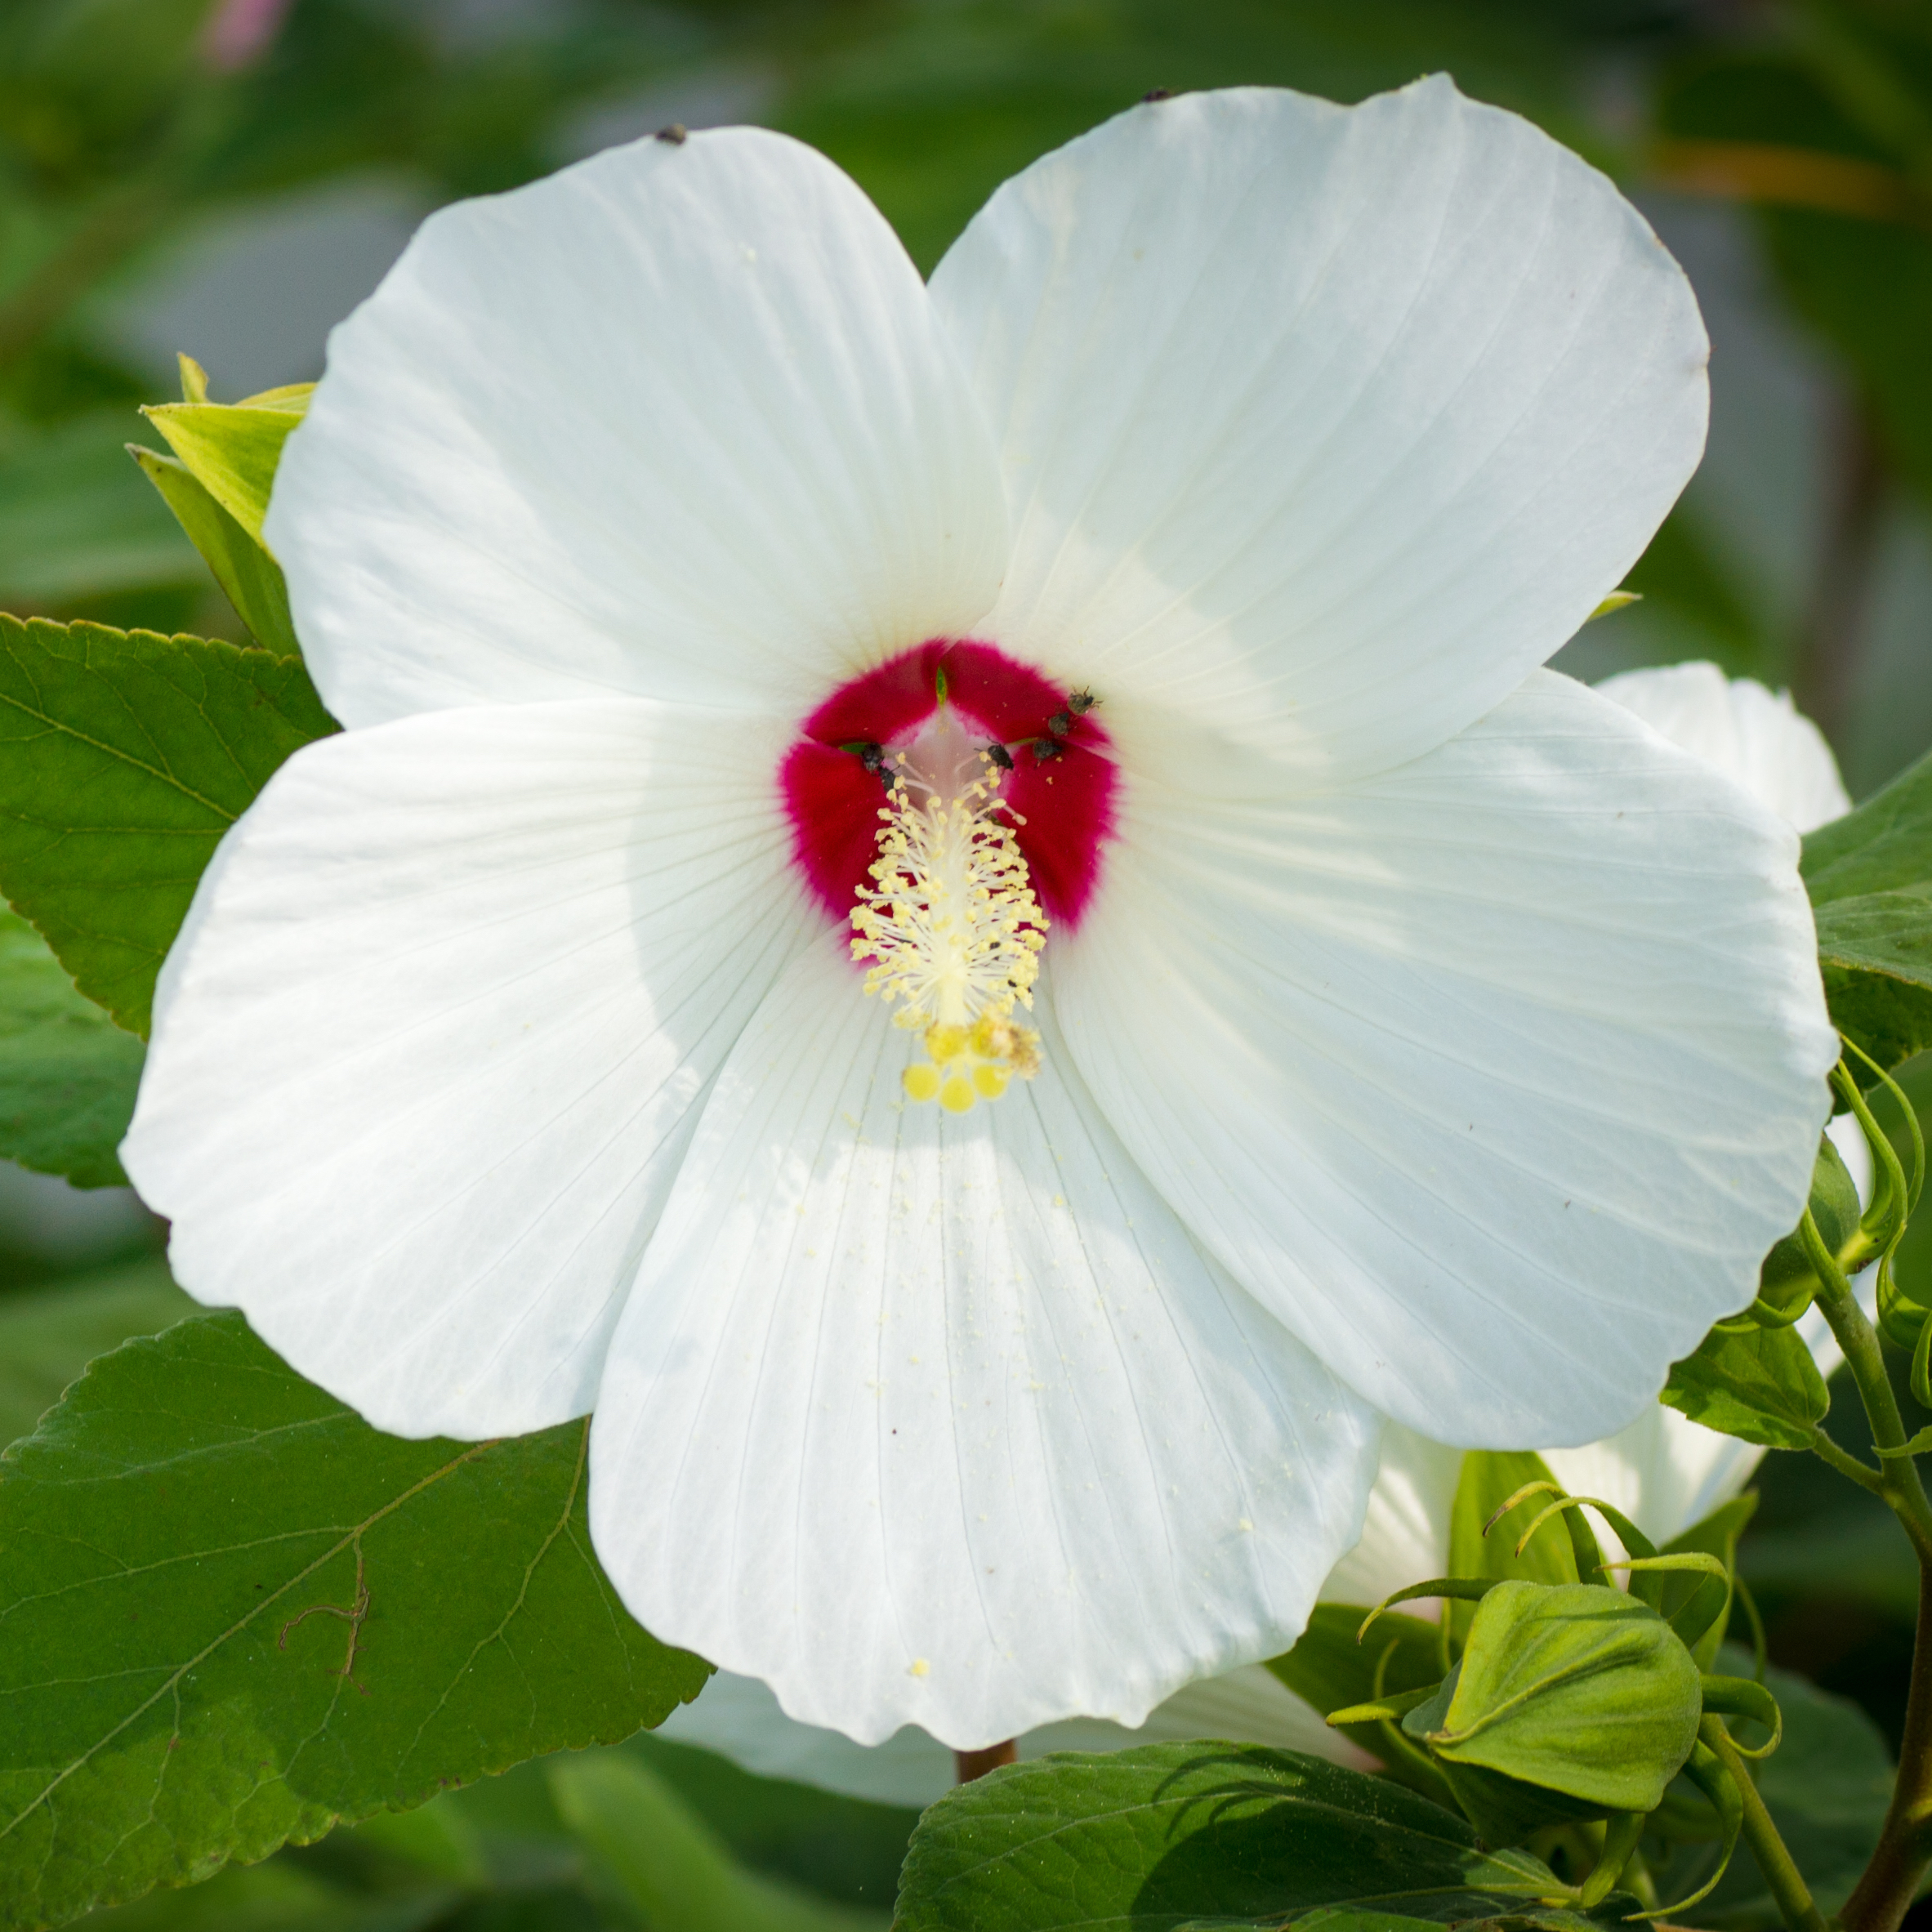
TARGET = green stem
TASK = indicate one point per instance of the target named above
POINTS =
(1845, 1463)
(1781, 1874)
(1900, 1485)
(1905, 1845)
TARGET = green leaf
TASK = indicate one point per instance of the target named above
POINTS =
(251, 579)
(68, 1074)
(1875, 952)
(281, 1897)
(667, 1865)
(1883, 846)
(124, 756)
(1576, 1688)
(1329, 1670)
(234, 1614)
(48, 1336)
(1165, 1833)
(842, 1848)
(1762, 1387)
(232, 449)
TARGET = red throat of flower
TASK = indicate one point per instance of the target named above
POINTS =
(950, 807)
(1060, 791)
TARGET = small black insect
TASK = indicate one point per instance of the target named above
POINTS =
(1060, 723)
(872, 757)
(1000, 756)
(673, 136)
(1082, 702)
(1159, 94)
(1046, 749)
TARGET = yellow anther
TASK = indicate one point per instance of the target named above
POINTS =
(952, 930)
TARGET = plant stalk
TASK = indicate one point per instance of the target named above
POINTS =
(1891, 1880)
(1781, 1873)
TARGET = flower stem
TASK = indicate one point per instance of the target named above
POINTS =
(1905, 1845)
(1781, 1874)
(970, 1764)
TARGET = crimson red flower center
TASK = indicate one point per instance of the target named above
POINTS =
(1060, 788)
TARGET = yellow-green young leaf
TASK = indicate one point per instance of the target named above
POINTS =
(249, 577)
(1576, 1688)
(1164, 1833)
(232, 448)
(68, 1074)
(234, 1614)
(124, 756)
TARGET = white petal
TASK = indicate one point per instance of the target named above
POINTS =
(945, 1422)
(425, 1052)
(1323, 426)
(740, 1718)
(1757, 738)
(1665, 1472)
(677, 421)
(1251, 1706)
(1405, 1533)
(1494, 1077)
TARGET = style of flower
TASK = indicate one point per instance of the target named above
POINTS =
(1154, 600)
(1664, 1471)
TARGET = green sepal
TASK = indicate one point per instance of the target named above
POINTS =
(1329, 1669)
(249, 577)
(1506, 1810)
(1706, 1771)
(1716, 1535)
(1393, 1705)
(1497, 1496)
(232, 448)
(1624, 1834)
(1744, 1697)
(1786, 1276)
(1576, 1689)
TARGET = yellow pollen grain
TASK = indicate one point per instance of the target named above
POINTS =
(952, 930)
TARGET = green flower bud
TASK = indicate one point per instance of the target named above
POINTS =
(1571, 1701)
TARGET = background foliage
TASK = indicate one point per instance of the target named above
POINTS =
(227, 178)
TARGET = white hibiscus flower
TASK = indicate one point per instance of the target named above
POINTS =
(1664, 1471)
(1408, 1037)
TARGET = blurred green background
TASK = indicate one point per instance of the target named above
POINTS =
(230, 179)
